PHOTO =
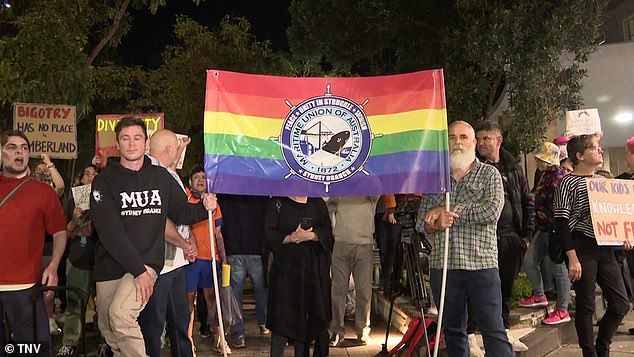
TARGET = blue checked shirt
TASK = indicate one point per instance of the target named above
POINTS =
(478, 199)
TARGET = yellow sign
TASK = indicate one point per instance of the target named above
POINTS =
(612, 210)
(106, 141)
(51, 129)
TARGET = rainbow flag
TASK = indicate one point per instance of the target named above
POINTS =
(282, 136)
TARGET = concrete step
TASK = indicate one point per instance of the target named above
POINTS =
(526, 323)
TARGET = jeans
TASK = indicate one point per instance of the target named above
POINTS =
(167, 304)
(251, 265)
(598, 265)
(482, 287)
(19, 310)
(538, 252)
(511, 249)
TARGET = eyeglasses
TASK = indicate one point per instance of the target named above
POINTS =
(596, 147)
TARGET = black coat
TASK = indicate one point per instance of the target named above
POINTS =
(522, 200)
(299, 305)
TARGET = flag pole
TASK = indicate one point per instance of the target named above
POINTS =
(214, 270)
(443, 283)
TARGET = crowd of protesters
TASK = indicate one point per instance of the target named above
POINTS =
(144, 249)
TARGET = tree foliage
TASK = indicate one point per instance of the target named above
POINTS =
(531, 51)
(177, 87)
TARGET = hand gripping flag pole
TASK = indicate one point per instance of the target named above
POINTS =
(443, 283)
(214, 270)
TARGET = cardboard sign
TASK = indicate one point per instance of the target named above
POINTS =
(106, 141)
(81, 196)
(51, 129)
(181, 159)
(585, 121)
(612, 210)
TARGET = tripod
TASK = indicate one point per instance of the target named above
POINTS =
(407, 251)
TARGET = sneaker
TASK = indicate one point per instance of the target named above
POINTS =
(52, 325)
(220, 345)
(263, 330)
(239, 342)
(67, 351)
(474, 347)
(204, 332)
(557, 317)
(336, 340)
(534, 301)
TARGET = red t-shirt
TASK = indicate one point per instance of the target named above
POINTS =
(33, 210)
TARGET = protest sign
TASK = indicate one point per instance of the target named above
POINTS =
(81, 196)
(612, 210)
(51, 129)
(585, 121)
(106, 141)
(181, 159)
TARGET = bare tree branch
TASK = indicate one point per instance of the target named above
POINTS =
(108, 36)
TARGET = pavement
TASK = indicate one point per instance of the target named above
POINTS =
(260, 345)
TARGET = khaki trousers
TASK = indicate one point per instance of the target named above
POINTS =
(118, 310)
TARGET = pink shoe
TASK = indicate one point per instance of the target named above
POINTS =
(534, 301)
(557, 317)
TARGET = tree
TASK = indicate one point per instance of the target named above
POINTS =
(531, 51)
(48, 47)
(177, 87)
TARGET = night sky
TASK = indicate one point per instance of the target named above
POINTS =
(149, 34)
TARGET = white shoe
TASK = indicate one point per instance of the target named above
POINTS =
(518, 346)
(474, 347)
(220, 345)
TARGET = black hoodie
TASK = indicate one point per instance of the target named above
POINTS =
(129, 209)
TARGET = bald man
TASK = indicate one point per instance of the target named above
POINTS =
(169, 302)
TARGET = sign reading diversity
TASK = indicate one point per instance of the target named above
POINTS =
(51, 129)
(106, 141)
(268, 135)
(612, 210)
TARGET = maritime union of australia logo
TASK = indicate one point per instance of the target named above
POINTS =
(326, 139)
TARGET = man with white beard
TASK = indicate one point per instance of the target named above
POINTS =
(472, 269)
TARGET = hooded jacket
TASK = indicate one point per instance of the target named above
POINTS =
(129, 209)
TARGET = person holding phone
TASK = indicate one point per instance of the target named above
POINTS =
(298, 232)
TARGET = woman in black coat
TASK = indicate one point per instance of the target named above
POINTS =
(298, 232)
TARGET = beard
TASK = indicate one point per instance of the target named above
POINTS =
(461, 159)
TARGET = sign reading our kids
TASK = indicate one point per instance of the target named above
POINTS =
(612, 210)
(51, 129)
(106, 141)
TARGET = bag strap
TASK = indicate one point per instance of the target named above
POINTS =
(4, 201)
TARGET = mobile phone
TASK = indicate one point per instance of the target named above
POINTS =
(307, 223)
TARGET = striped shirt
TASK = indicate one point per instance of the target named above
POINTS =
(571, 203)
(478, 200)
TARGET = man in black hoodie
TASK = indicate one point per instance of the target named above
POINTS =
(516, 224)
(130, 202)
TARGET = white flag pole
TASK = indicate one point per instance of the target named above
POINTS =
(214, 270)
(443, 283)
